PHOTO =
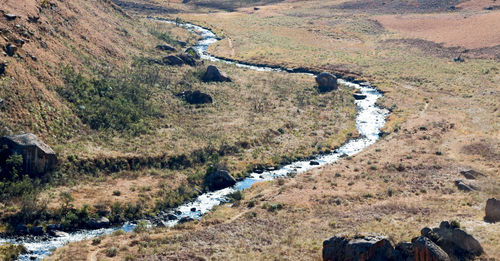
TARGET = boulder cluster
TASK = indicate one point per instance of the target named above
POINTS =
(444, 243)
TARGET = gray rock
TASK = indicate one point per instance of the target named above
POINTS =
(425, 250)
(166, 48)
(403, 252)
(3, 66)
(187, 59)
(191, 51)
(326, 82)
(38, 157)
(173, 60)
(458, 244)
(102, 222)
(492, 210)
(37, 231)
(11, 17)
(471, 174)
(171, 217)
(313, 163)
(461, 185)
(213, 74)
(57, 233)
(21, 229)
(11, 49)
(341, 248)
(185, 219)
(219, 179)
(359, 96)
(196, 97)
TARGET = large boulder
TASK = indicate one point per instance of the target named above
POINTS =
(458, 244)
(213, 74)
(326, 82)
(467, 187)
(219, 179)
(195, 97)
(341, 248)
(38, 157)
(492, 210)
(191, 51)
(426, 250)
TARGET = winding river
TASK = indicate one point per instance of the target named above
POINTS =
(370, 119)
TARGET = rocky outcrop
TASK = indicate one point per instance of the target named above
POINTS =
(165, 47)
(219, 179)
(38, 157)
(341, 248)
(444, 243)
(492, 210)
(426, 250)
(326, 82)
(188, 59)
(195, 97)
(213, 74)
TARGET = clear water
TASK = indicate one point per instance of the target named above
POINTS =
(370, 119)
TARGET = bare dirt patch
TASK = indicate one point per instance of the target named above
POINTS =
(469, 31)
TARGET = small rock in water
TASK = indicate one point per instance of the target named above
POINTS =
(193, 209)
(185, 219)
(313, 163)
(171, 217)
(359, 96)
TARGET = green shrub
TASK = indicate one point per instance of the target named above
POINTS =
(235, 196)
(111, 252)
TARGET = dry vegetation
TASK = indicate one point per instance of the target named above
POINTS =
(445, 119)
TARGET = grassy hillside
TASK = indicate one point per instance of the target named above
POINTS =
(86, 82)
(444, 120)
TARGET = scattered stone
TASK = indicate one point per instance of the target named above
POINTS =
(11, 49)
(313, 163)
(458, 59)
(339, 248)
(425, 250)
(219, 179)
(185, 1)
(173, 60)
(195, 97)
(11, 17)
(326, 82)
(258, 170)
(256, 8)
(464, 186)
(19, 42)
(492, 210)
(471, 174)
(33, 19)
(165, 47)
(162, 223)
(214, 75)
(54, 227)
(34, 58)
(38, 157)
(193, 209)
(359, 96)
